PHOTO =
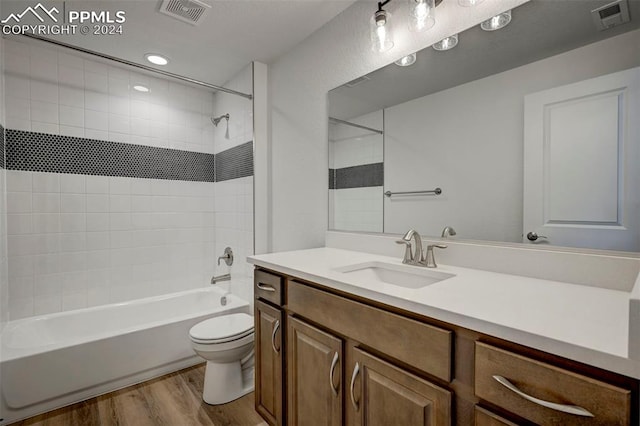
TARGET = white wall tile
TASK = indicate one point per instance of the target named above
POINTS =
(71, 116)
(97, 184)
(46, 203)
(19, 202)
(73, 183)
(44, 112)
(73, 203)
(18, 181)
(46, 182)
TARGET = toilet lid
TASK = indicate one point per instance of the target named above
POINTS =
(222, 329)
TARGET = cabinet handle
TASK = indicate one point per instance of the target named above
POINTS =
(356, 370)
(570, 409)
(266, 287)
(334, 389)
(273, 336)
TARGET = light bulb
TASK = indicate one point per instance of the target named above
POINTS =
(447, 43)
(381, 40)
(421, 14)
(405, 61)
(156, 59)
(497, 22)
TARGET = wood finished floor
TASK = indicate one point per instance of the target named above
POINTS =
(172, 400)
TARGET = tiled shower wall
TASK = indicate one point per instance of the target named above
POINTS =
(356, 175)
(4, 282)
(78, 237)
(234, 197)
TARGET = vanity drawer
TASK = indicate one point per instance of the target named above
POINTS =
(609, 405)
(268, 287)
(420, 345)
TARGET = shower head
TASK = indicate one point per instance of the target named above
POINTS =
(217, 120)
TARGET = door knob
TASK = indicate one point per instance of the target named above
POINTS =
(532, 236)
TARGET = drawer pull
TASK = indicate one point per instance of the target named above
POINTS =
(356, 370)
(570, 409)
(273, 336)
(266, 287)
(334, 388)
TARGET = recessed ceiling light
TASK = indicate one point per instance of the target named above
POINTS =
(497, 22)
(156, 59)
(140, 88)
(447, 43)
(406, 60)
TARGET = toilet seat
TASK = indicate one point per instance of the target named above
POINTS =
(222, 329)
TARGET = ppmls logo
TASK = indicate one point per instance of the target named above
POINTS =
(32, 11)
(40, 20)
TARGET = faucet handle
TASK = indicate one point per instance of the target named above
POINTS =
(440, 246)
(408, 256)
(429, 259)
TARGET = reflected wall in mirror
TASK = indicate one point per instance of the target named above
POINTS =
(531, 129)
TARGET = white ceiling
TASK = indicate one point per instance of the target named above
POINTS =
(234, 33)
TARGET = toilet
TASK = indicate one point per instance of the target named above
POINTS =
(226, 342)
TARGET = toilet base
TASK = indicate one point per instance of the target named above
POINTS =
(226, 382)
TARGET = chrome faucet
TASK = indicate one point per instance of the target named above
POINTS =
(227, 257)
(412, 257)
(219, 278)
(448, 231)
(417, 257)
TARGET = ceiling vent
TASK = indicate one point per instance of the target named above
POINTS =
(359, 80)
(611, 15)
(189, 11)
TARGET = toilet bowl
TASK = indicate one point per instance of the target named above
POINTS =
(226, 343)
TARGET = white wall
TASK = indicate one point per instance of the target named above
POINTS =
(299, 82)
(78, 240)
(479, 164)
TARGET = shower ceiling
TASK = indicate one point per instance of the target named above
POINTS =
(234, 33)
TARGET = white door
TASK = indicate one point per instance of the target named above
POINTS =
(582, 163)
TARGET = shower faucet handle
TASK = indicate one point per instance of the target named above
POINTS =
(227, 257)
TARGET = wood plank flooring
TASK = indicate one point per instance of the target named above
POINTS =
(172, 400)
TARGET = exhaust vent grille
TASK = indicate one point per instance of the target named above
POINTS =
(611, 15)
(189, 11)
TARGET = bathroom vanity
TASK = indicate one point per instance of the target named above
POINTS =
(336, 348)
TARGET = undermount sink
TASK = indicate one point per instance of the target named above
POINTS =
(398, 275)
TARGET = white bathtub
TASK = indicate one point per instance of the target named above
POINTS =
(54, 360)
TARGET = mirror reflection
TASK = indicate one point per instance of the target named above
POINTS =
(524, 134)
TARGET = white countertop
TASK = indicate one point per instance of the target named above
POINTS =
(583, 323)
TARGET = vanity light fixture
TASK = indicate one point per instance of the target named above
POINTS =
(405, 61)
(381, 39)
(497, 22)
(156, 59)
(469, 3)
(446, 43)
(421, 14)
(141, 88)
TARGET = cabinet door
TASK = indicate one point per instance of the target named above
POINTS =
(314, 375)
(269, 358)
(381, 394)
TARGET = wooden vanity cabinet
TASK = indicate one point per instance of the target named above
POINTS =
(352, 361)
(269, 347)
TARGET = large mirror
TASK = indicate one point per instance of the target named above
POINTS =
(527, 134)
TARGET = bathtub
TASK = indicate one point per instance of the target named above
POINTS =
(50, 361)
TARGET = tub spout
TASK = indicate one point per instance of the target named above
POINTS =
(219, 278)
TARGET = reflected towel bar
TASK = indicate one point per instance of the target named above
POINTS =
(436, 191)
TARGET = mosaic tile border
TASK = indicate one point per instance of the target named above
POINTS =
(363, 176)
(2, 150)
(234, 163)
(43, 152)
